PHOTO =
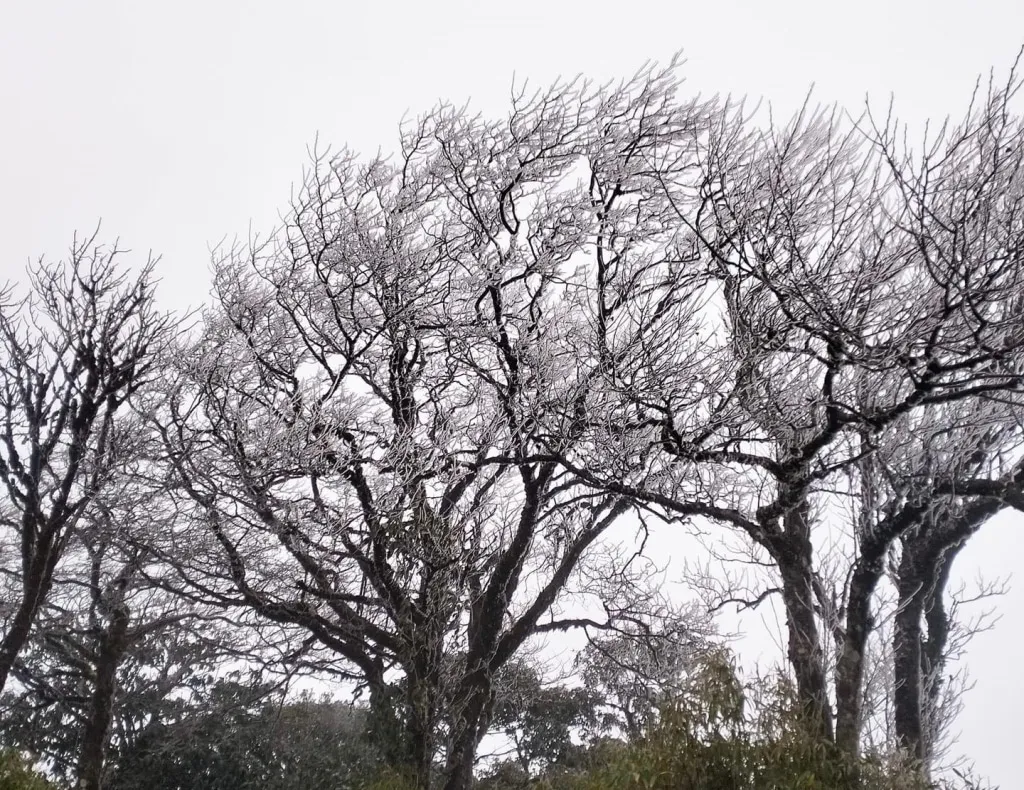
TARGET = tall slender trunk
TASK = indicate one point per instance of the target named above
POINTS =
(917, 575)
(850, 664)
(933, 649)
(804, 647)
(91, 757)
(924, 574)
(907, 707)
(793, 553)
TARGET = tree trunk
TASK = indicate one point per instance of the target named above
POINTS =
(421, 724)
(793, 553)
(850, 664)
(924, 573)
(473, 716)
(14, 640)
(933, 649)
(804, 645)
(385, 729)
(101, 711)
(916, 575)
(34, 589)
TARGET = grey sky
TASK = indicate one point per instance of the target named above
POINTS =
(183, 123)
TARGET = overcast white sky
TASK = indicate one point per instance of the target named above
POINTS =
(181, 123)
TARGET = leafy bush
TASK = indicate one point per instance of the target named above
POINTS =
(722, 735)
(243, 743)
(17, 774)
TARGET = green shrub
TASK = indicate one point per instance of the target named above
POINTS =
(720, 735)
(17, 774)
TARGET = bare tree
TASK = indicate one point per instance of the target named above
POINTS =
(962, 207)
(641, 666)
(72, 353)
(919, 627)
(369, 430)
(856, 290)
(416, 410)
(110, 645)
(928, 631)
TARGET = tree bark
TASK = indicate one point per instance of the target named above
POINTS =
(850, 664)
(794, 555)
(804, 649)
(101, 710)
(907, 657)
(933, 649)
(473, 717)
(421, 706)
(34, 588)
(15, 638)
(924, 574)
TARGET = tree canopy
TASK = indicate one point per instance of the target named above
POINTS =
(424, 427)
